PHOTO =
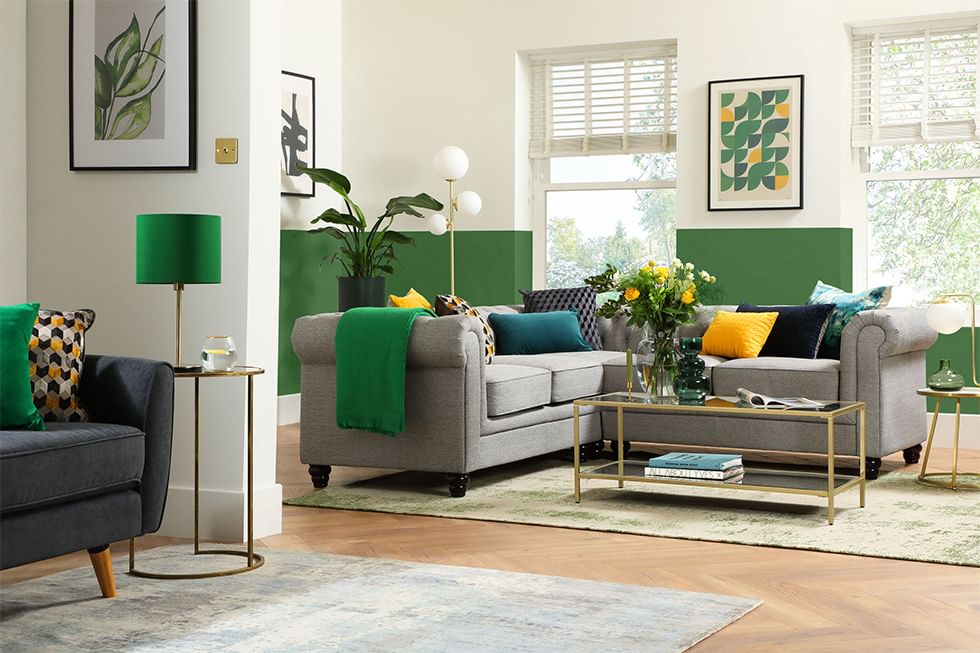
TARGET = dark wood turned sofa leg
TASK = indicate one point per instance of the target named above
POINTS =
(911, 454)
(320, 474)
(457, 484)
(871, 468)
(595, 449)
(102, 564)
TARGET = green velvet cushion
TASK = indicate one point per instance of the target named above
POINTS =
(17, 407)
(538, 333)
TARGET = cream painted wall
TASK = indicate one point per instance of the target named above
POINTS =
(81, 235)
(311, 45)
(423, 74)
(13, 152)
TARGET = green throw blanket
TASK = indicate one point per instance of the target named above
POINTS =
(372, 346)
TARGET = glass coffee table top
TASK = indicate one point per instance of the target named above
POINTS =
(713, 404)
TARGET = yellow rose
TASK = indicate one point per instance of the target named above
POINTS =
(645, 268)
(687, 297)
(662, 272)
(631, 294)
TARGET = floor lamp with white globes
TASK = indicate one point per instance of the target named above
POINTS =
(451, 163)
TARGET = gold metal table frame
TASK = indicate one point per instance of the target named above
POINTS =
(621, 401)
(253, 560)
(951, 480)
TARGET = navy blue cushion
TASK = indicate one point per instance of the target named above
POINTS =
(798, 329)
(538, 333)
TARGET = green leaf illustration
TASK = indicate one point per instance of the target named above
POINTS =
(98, 124)
(132, 119)
(122, 48)
(103, 85)
(143, 73)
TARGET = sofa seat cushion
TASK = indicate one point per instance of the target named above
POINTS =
(574, 374)
(778, 377)
(513, 388)
(68, 461)
(614, 372)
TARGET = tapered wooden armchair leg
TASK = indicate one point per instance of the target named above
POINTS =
(102, 563)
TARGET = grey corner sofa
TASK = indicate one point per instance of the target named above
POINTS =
(84, 485)
(463, 415)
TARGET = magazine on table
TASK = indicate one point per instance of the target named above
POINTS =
(749, 399)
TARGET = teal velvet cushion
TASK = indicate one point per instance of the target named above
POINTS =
(846, 306)
(538, 333)
(17, 407)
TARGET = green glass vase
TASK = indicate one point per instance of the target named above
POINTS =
(690, 384)
(945, 378)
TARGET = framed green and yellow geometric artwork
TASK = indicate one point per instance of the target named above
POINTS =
(755, 143)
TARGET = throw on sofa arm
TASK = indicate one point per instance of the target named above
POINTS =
(138, 393)
(882, 362)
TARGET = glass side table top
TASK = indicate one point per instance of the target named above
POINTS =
(715, 404)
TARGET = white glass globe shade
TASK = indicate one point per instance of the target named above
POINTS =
(469, 203)
(436, 224)
(945, 317)
(450, 163)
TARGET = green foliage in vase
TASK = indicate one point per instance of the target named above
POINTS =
(364, 251)
(123, 76)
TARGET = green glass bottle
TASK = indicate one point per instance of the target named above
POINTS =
(945, 378)
(690, 384)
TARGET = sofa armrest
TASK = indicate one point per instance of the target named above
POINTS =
(899, 330)
(434, 342)
(138, 393)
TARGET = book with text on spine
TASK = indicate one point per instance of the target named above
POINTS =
(707, 461)
(695, 474)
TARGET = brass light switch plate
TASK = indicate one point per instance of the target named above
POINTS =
(226, 150)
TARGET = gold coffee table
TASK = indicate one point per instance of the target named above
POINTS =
(952, 479)
(803, 482)
(253, 560)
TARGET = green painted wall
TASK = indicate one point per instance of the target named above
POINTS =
(955, 347)
(769, 266)
(491, 266)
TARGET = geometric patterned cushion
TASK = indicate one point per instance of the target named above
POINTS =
(846, 306)
(453, 305)
(57, 355)
(563, 299)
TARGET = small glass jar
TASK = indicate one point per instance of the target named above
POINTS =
(218, 354)
(945, 378)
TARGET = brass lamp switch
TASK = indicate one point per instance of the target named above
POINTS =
(226, 150)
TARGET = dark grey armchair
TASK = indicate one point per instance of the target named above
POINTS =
(85, 485)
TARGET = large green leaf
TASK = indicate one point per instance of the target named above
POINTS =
(340, 185)
(140, 78)
(103, 85)
(333, 216)
(333, 231)
(132, 120)
(405, 204)
(396, 237)
(98, 124)
(121, 49)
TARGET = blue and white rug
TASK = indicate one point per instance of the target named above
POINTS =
(317, 602)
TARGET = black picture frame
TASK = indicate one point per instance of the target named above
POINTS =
(175, 151)
(293, 84)
(795, 137)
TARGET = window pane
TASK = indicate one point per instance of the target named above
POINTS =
(613, 167)
(925, 156)
(588, 229)
(924, 237)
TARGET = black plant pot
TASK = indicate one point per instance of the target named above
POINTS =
(360, 291)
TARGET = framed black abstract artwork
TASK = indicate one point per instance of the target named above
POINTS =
(298, 135)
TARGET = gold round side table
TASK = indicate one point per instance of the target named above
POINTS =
(253, 560)
(952, 479)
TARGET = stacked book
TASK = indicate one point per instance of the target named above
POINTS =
(723, 467)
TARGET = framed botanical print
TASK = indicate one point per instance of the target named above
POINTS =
(298, 134)
(755, 143)
(131, 84)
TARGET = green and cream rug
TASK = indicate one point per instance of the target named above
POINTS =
(903, 519)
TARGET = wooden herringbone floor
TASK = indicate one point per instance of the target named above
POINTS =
(813, 601)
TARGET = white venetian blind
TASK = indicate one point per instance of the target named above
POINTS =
(604, 102)
(915, 83)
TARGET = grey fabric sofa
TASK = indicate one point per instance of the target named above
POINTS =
(463, 415)
(84, 485)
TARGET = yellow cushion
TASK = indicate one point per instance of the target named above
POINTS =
(738, 335)
(412, 299)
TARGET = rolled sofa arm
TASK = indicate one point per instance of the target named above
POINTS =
(894, 331)
(139, 393)
(435, 342)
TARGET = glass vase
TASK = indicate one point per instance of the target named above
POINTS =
(945, 378)
(218, 354)
(690, 384)
(656, 365)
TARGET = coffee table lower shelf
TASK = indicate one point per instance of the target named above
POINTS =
(760, 480)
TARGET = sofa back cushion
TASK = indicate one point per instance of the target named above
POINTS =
(798, 329)
(581, 299)
(538, 333)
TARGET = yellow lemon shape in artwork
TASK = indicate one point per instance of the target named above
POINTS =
(727, 115)
(781, 181)
(783, 109)
(755, 156)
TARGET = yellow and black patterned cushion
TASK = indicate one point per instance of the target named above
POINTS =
(57, 355)
(453, 305)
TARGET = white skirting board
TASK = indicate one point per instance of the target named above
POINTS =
(288, 409)
(223, 513)
(969, 431)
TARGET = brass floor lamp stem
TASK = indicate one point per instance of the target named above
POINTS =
(179, 288)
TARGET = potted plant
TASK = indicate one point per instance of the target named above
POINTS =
(366, 252)
(657, 299)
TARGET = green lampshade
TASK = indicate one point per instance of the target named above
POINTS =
(178, 248)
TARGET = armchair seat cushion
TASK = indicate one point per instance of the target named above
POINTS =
(68, 461)
(513, 388)
(780, 377)
(574, 374)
